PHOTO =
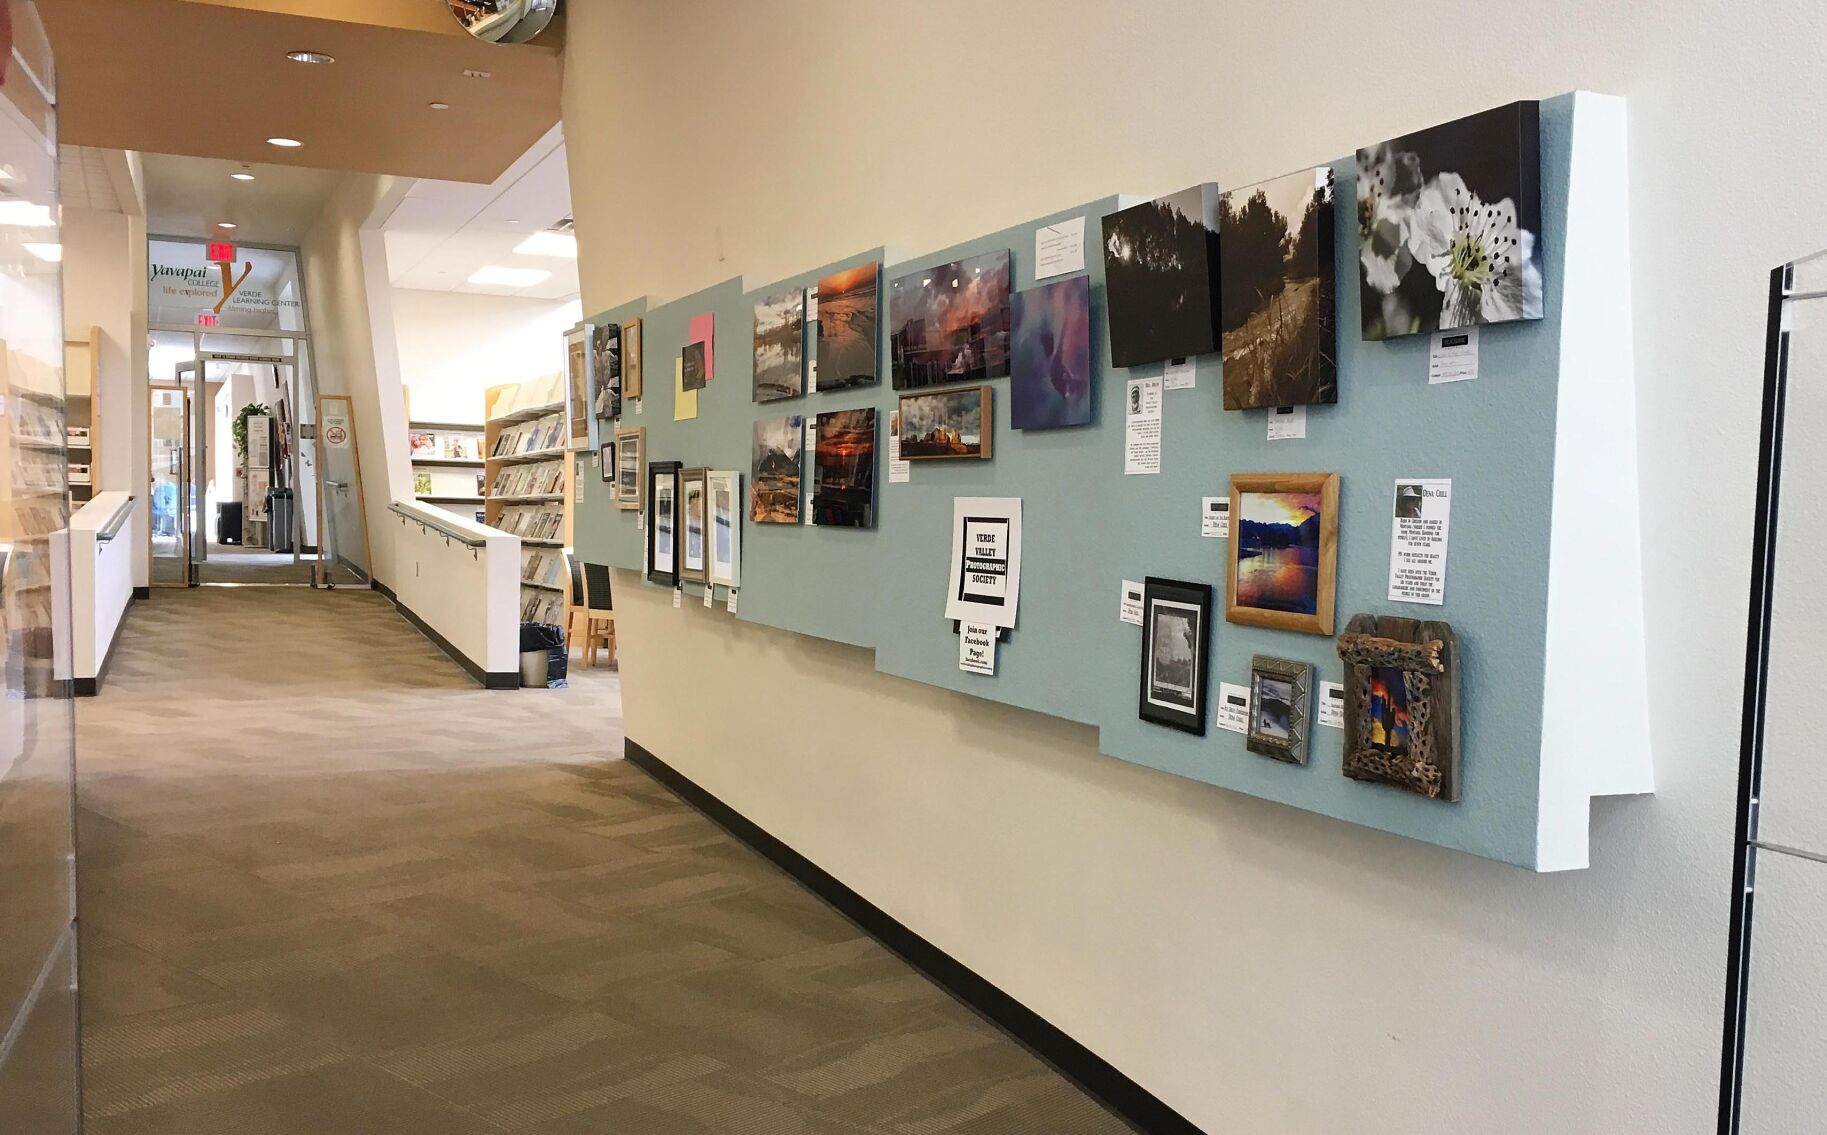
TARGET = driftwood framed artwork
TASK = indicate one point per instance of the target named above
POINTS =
(1281, 693)
(1176, 653)
(1402, 704)
(1284, 551)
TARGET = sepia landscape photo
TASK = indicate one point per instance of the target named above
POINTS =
(774, 471)
(950, 323)
(945, 424)
(780, 345)
(843, 469)
(847, 318)
(1279, 333)
(1161, 277)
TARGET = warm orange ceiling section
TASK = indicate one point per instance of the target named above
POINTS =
(209, 78)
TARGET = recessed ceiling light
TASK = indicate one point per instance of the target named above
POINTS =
(50, 252)
(242, 176)
(309, 57)
(440, 106)
(284, 143)
(549, 244)
(472, 73)
(26, 215)
(500, 277)
(226, 225)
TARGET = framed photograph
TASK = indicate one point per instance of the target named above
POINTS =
(1402, 704)
(723, 487)
(695, 374)
(1176, 645)
(630, 483)
(843, 469)
(1283, 551)
(1451, 218)
(606, 370)
(946, 424)
(577, 385)
(774, 470)
(631, 359)
(694, 525)
(1161, 277)
(1278, 332)
(605, 462)
(1050, 356)
(663, 522)
(1281, 697)
(780, 345)
(848, 313)
(950, 323)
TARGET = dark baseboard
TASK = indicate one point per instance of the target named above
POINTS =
(1073, 1060)
(384, 590)
(142, 593)
(89, 687)
(489, 681)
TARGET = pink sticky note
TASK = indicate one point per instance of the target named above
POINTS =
(703, 329)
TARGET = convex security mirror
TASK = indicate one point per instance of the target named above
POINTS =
(503, 21)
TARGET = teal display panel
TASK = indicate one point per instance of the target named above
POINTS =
(1088, 526)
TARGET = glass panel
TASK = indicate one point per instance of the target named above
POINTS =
(258, 289)
(1785, 1047)
(170, 477)
(37, 896)
(344, 549)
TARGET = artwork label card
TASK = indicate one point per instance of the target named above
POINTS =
(1332, 705)
(986, 561)
(977, 649)
(1287, 423)
(900, 470)
(1180, 374)
(732, 600)
(1059, 249)
(710, 596)
(1453, 356)
(1417, 541)
(1215, 518)
(640, 522)
(1233, 708)
(678, 597)
(1142, 426)
(1129, 607)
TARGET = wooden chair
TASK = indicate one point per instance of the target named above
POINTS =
(592, 617)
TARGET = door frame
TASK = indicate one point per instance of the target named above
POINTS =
(184, 483)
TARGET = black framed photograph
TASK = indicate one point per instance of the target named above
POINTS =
(1281, 698)
(1176, 653)
(605, 462)
(663, 522)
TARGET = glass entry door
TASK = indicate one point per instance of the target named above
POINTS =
(169, 483)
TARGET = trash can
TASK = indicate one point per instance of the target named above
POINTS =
(228, 522)
(279, 512)
(543, 658)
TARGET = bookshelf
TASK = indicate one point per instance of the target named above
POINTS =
(527, 477)
(82, 413)
(447, 466)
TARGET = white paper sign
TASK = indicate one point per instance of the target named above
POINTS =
(900, 471)
(637, 405)
(1180, 374)
(985, 586)
(977, 648)
(732, 600)
(1142, 426)
(678, 597)
(1287, 423)
(1453, 356)
(1233, 708)
(710, 596)
(1059, 249)
(640, 522)
(1417, 541)
(1130, 609)
(1215, 517)
(1332, 705)
(808, 509)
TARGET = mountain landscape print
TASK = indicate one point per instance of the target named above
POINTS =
(946, 423)
(847, 331)
(950, 323)
(1278, 551)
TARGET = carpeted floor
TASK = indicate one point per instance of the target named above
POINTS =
(330, 887)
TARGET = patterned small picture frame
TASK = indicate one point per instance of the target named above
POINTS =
(1402, 704)
(1281, 693)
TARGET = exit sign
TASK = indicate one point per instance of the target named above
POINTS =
(221, 253)
(206, 319)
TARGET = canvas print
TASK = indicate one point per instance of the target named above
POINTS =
(606, 370)
(774, 470)
(1449, 225)
(1402, 704)
(1175, 642)
(946, 424)
(950, 323)
(1050, 356)
(1275, 308)
(780, 345)
(843, 469)
(1161, 277)
(1284, 544)
(631, 359)
(693, 361)
(847, 319)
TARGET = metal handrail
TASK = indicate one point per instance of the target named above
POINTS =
(116, 522)
(468, 540)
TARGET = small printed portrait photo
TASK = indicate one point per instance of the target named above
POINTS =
(1408, 502)
(1135, 399)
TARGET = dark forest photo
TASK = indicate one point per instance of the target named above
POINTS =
(847, 318)
(1161, 277)
(950, 323)
(1276, 301)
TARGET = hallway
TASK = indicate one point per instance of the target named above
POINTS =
(331, 887)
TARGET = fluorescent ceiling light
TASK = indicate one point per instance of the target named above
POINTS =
(500, 277)
(242, 176)
(49, 252)
(226, 224)
(549, 243)
(25, 215)
(309, 57)
(284, 143)
(439, 105)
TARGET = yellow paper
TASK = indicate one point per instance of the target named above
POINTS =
(684, 402)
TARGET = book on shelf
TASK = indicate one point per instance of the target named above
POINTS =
(423, 444)
(533, 436)
(421, 484)
(535, 522)
(540, 606)
(458, 447)
(544, 566)
(540, 478)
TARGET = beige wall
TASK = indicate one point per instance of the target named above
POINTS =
(1261, 969)
(454, 346)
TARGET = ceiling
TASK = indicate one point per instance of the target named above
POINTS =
(85, 179)
(190, 196)
(209, 78)
(443, 231)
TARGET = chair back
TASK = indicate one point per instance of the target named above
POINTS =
(575, 571)
(596, 589)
